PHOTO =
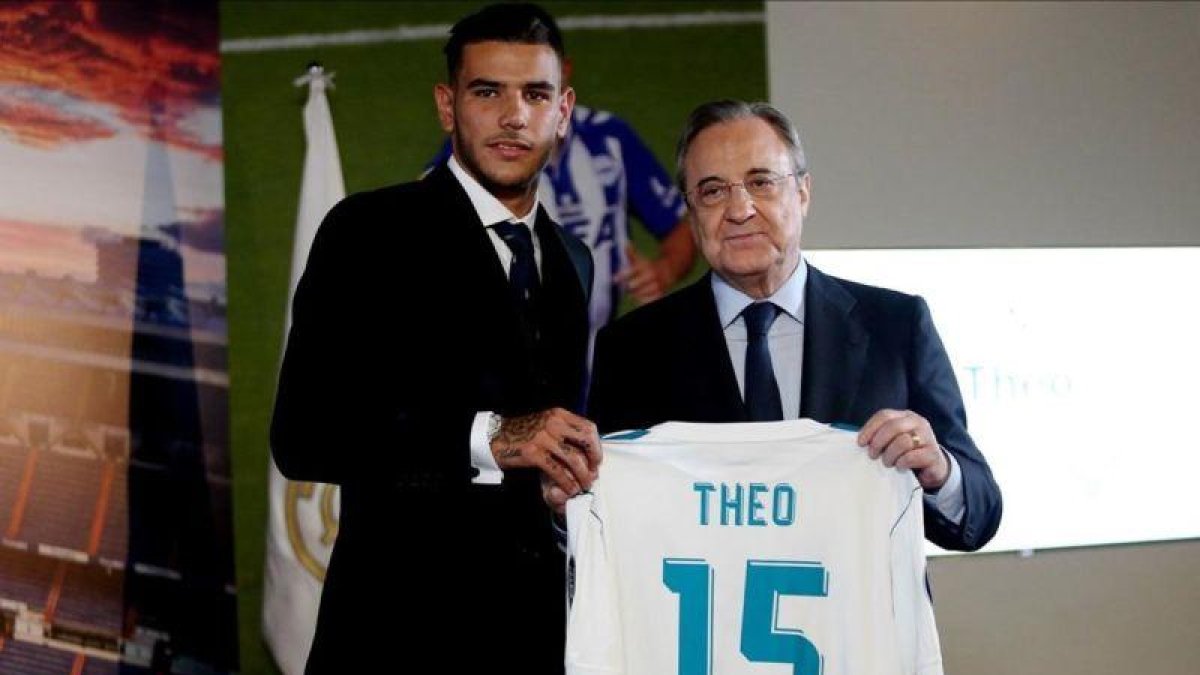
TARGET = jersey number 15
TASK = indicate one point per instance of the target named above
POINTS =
(763, 641)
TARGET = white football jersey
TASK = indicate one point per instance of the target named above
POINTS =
(757, 548)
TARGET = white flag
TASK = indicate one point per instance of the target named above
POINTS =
(303, 516)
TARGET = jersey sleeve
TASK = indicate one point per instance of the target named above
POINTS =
(653, 196)
(916, 629)
(593, 604)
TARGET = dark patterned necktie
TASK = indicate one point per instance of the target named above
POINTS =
(522, 273)
(762, 392)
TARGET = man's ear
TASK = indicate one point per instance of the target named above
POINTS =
(566, 103)
(443, 97)
(805, 188)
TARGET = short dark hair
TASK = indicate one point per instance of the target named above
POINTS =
(727, 110)
(519, 22)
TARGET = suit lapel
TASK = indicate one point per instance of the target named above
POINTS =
(564, 315)
(487, 280)
(835, 348)
(494, 313)
(481, 282)
(558, 272)
(712, 381)
(459, 217)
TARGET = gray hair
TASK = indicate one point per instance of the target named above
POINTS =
(729, 110)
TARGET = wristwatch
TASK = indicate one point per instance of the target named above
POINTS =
(493, 426)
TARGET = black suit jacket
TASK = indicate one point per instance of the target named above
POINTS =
(865, 349)
(403, 328)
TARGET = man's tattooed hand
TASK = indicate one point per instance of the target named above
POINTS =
(521, 428)
(563, 446)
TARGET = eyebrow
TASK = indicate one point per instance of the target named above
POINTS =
(539, 85)
(752, 172)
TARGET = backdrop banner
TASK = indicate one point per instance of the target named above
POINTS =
(115, 513)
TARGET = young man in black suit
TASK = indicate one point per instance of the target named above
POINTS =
(767, 336)
(437, 349)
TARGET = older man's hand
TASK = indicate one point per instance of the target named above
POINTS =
(904, 439)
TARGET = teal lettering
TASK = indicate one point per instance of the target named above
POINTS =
(783, 505)
(755, 518)
(749, 504)
(731, 504)
(704, 489)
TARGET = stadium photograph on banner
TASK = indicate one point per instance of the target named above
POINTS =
(115, 500)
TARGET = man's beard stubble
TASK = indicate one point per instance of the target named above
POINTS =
(466, 156)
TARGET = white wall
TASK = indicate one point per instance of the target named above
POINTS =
(1015, 124)
(1008, 124)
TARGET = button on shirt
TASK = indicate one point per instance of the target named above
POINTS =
(491, 211)
(786, 342)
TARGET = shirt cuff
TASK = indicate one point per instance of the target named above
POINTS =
(948, 499)
(481, 452)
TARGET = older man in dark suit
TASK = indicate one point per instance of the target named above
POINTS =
(438, 343)
(766, 336)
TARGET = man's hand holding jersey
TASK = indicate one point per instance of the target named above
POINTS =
(904, 439)
(563, 446)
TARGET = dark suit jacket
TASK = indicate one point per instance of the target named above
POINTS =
(403, 328)
(865, 349)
